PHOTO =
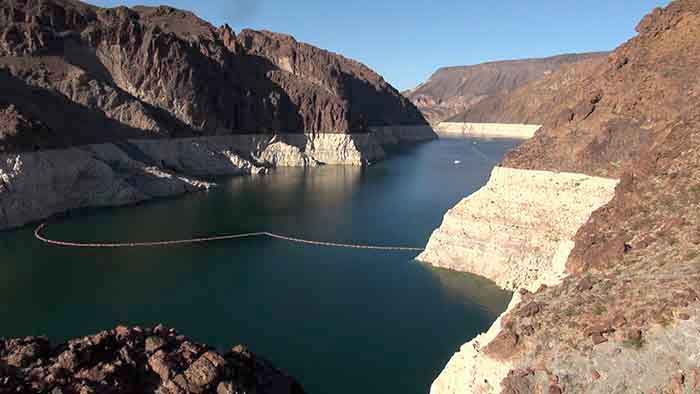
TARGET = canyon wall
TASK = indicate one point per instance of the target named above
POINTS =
(37, 185)
(111, 106)
(453, 90)
(76, 74)
(518, 231)
(622, 313)
(511, 230)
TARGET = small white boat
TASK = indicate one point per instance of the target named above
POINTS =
(457, 161)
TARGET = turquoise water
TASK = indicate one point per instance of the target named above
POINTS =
(339, 320)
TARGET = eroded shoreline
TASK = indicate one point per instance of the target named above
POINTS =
(517, 231)
(38, 185)
(487, 130)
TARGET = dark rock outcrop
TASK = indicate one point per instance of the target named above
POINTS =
(135, 360)
(450, 91)
(148, 72)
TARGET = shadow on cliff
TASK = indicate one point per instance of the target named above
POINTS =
(370, 107)
(270, 109)
(43, 119)
(273, 110)
(85, 58)
(241, 98)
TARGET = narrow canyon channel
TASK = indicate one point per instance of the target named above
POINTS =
(339, 320)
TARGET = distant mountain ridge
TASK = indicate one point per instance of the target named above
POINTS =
(452, 90)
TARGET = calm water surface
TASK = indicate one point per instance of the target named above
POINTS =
(340, 320)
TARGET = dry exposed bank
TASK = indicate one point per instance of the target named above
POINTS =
(625, 319)
(518, 231)
(36, 185)
(511, 230)
(487, 130)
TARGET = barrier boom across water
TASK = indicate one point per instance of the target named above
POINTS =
(39, 230)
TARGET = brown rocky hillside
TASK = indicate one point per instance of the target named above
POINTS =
(452, 90)
(135, 360)
(632, 298)
(73, 73)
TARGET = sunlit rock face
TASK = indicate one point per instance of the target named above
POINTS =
(111, 106)
(451, 91)
(487, 130)
(619, 320)
(76, 74)
(511, 230)
(518, 231)
(36, 185)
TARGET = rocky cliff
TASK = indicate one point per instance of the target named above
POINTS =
(452, 90)
(113, 106)
(518, 229)
(624, 317)
(37, 185)
(110, 106)
(135, 360)
(76, 74)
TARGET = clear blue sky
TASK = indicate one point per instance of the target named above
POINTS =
(406, 40)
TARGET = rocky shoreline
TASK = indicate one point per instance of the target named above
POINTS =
(487, 130)
(518, 231)
(135, 360)
(624, 318)
(37, 185)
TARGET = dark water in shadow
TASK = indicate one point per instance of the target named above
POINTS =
(340, 320)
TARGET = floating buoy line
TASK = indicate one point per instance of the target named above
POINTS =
(38, 234)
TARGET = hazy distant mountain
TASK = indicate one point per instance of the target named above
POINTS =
(452, 90)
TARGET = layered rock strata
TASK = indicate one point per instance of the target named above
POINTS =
(487, 130)
(135, 360)
(111, 106)
(518, 231)
(36, 185)
(624, 319)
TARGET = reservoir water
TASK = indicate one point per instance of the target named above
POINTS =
(339, 320)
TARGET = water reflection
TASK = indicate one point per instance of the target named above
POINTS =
(471, 289)
(299, 199)
(324, 315)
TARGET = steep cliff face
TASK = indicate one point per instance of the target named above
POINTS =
(365, 98)
(518, 229)
(162, 72)
(37, 185)
(625, 316)
(116, 99)
(452, 90)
